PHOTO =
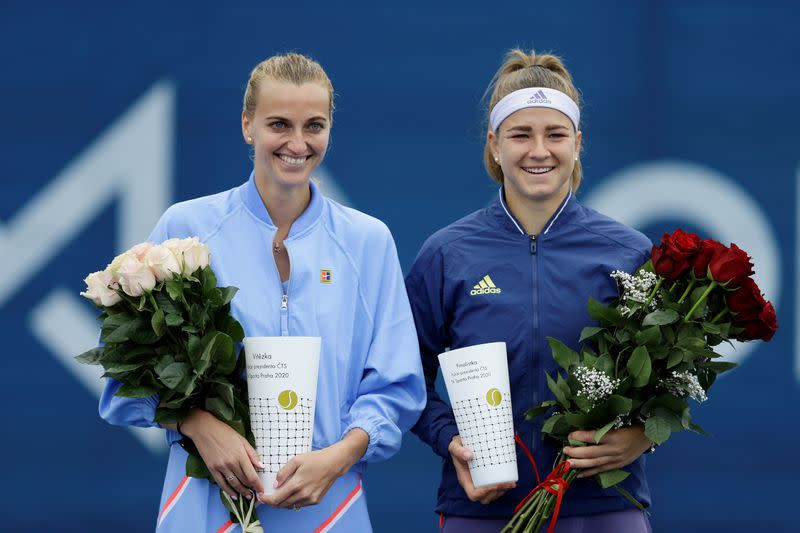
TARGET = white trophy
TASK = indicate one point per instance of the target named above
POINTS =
(282, 389)
(480, 395)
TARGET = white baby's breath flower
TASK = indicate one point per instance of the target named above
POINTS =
(684, 384)
(595, 385)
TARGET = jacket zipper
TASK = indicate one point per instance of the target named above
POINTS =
(284, 296)
(534, 360)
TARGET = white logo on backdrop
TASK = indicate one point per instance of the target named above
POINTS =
(131, 161)
(654, 191)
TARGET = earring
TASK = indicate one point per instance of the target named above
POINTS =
(497, 160)
(249, 139)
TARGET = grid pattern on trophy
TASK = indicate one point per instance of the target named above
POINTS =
(280, 433)
(488, 431)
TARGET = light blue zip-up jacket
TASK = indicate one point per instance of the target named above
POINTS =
(370, 375)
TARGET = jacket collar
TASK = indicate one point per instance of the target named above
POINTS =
(499, 210)
(252, 200)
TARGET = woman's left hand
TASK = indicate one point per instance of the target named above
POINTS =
(306, 478)
(617, 448)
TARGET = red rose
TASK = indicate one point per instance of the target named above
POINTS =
(671, 259)
(761, 327)
(706, 251)
(730, 266)
(746, 302)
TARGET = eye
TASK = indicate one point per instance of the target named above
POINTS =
(520, 136)
(316, 126)
(557, 135)
(278, 125)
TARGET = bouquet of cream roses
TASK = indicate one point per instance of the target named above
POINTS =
(652, 351)
(167, 331)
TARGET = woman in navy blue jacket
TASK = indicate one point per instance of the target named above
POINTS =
(518, 271)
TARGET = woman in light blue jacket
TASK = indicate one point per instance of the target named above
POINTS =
(305, 266)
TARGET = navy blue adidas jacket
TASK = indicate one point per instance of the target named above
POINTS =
(482, 279)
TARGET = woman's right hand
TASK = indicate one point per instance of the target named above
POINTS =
(461, 455)
(228, 455)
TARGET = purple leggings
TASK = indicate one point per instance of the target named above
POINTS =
(629, 521)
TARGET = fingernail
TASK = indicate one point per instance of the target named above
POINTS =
(274, 484)
(234, 497)
(260, 464)
(248, 496)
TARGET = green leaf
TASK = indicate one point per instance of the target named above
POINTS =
(175, 288)
(228, 293)
(603, 313)
(562, 354)
(657, 429)
(135, 391)
(697, 429)
(91, 357)
(195, 467)
(208, 280)
(603, 430)
(117, 328)
(556, 426)
(159, 323)
(218, 407)
(165, 303)
(627, 495)
(639, 366)
(660, 317)
(557, 392)
(651, 335)
(172, 375)
(589, 332)
(168, 416)
(609, 478)
(616, 405)
(225, 391)
(605, 364)
(223, 354)
(718, 366)
(173, 320)
(714, 329)
(675, 357)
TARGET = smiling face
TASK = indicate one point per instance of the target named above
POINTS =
(289, 131)
(536, 148)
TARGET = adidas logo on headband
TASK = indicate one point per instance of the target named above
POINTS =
(539, 98)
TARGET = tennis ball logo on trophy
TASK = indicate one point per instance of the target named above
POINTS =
(494, 397)
(287, 400)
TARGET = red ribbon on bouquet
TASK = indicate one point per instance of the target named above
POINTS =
(554, 483)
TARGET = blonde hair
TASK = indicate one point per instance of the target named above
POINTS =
(293, 68)
(521, 70)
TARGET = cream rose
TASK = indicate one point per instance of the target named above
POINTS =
(194, 257)
(162, 262)
(141, 249)
(134, 277)
(100, 288)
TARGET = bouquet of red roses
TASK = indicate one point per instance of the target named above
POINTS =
(652, 351)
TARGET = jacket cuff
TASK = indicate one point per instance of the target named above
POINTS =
(370, 426)
(446, 435)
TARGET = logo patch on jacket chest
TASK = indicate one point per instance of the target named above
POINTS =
(485, 286)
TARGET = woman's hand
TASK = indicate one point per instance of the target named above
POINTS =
(307, 477)
(228, 455)
(461, 455)
(617, 448)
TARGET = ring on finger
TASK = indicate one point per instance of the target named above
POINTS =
(228, 478)
(295, 507)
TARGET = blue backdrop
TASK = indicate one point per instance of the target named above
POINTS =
(113, 110)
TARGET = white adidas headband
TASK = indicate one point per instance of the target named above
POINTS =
(534, 97)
